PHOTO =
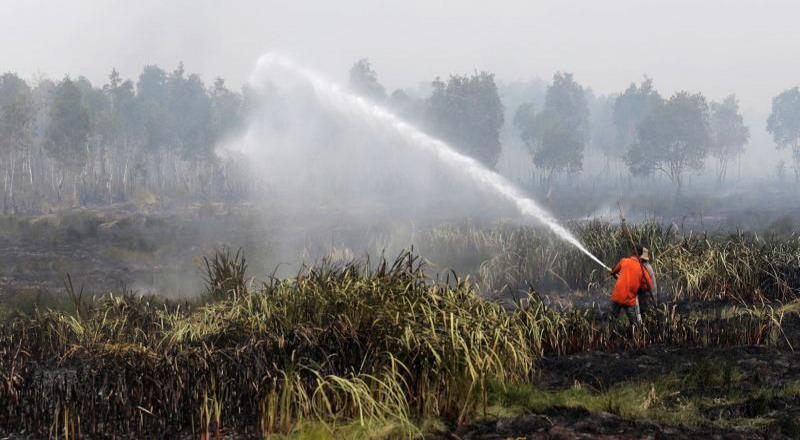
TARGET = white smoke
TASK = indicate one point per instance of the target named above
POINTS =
(341, 157)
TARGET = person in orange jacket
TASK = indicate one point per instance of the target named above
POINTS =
(648, 298)
(632, 278)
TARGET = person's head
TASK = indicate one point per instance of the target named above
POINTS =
(642, 252)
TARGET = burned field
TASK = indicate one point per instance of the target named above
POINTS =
(399, 348)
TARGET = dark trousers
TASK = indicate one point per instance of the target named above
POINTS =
(645, 300)
(634, 317)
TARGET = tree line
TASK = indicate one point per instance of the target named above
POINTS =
(70, 142)
(650, 134)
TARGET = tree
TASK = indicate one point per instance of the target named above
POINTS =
(16, 126)
(467, 112)
(557, 135)
(151, 95)
(673, 138)
(68, 130)
(11, 86)
(523, 120)
(566, 99)
(121, 129)
(364, 80)
(784, 123)
(150, 137)
(226, 106)
(93, 99)
(156, 121)
(603, 131)
(630, 108)
(191, 116)
(729, 135)
(556, 148)
(97, 103)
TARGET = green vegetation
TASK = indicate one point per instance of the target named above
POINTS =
(381, 346)
(784, 123)
(662, 399)
(73, 225)
(467, 112)
(556, 136)
(673, 138)
(747, 267)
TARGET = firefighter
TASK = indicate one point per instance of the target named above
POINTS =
(632, 277)
(648, 297)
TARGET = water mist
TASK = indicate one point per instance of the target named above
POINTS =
(272, 66)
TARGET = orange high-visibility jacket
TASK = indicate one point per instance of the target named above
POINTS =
(632, 278)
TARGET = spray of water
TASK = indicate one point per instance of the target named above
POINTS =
(271, 63)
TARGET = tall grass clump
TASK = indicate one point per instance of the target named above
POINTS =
(371, 344)
(509, 258)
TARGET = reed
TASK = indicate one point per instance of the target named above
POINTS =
(339, 343)
(506, 258)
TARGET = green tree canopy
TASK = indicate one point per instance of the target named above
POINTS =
(557, 148)
(95, 100)
(729, 135)
(566, 99)
(113, 142)
(16, 130)
(557, 135)
(68, 131)
(16, 113)
(603, 131)
(154, 116)
(225, 108)
(364, 80)
(120, 123)
(630, 108)
(523, 120)
(189, 106)
(784, 123)
(673, 138)
(11, 87)
(467, 112)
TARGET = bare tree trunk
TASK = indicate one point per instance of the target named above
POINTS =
(723, 170)
(75, 177)
(11, 184)
(796, 157)
(678, 185)
(125, 169)
(103, 178)
(5, 189)
(59, 184)
(30, 166)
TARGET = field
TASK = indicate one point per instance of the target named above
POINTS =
(513, 342)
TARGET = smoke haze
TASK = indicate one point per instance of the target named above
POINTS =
(717, 47)
(322, 167)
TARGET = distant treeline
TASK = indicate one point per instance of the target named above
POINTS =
(650, 134)
(69, 142)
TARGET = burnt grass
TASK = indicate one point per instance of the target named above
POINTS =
(742, 392)
(735, 392)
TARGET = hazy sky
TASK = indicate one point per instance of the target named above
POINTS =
(718, 47)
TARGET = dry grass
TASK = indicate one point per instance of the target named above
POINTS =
(509, 258)
(358, 343)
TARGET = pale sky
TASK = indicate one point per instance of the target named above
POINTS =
(718, 47)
